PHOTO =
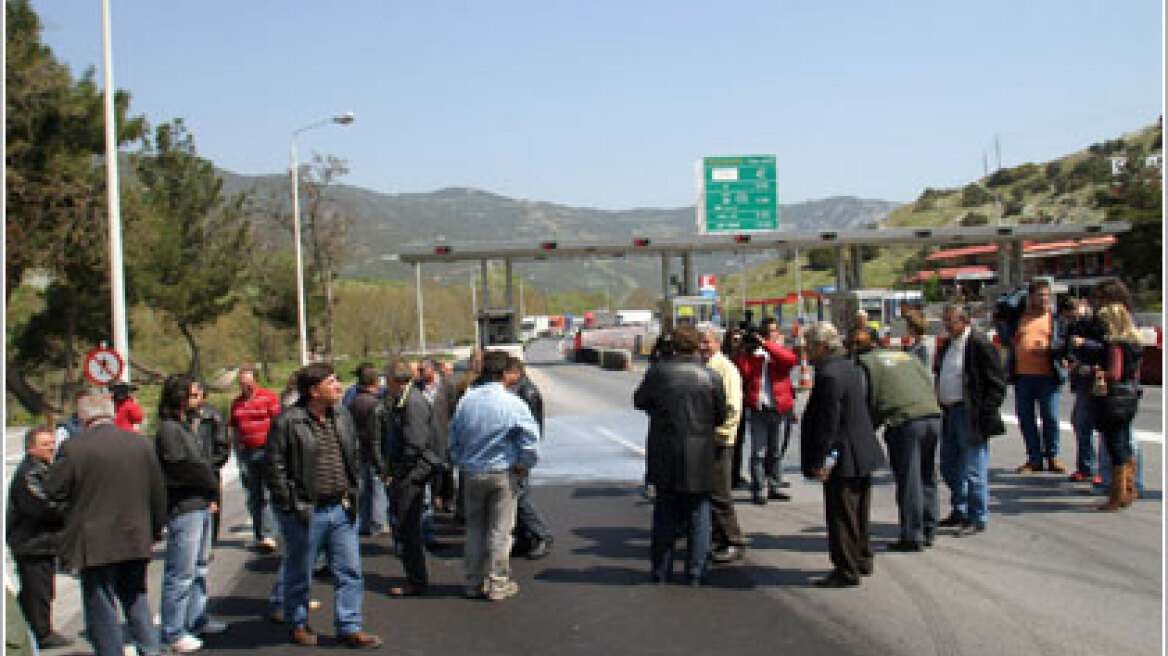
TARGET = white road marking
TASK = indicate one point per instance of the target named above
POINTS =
(621, 441)
(1066, 426)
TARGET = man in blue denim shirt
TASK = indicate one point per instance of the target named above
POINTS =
(494, 441)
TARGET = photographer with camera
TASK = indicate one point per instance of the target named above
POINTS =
(765, 364)
(1078, 323)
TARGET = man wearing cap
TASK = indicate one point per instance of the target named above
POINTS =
(129, 414)
(252, 413)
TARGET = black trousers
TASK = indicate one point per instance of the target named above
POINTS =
(725, 522)
(36, 574)
(848, 505)
(408, 503)
(736, 463)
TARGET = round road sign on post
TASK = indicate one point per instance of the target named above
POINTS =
(103, 366)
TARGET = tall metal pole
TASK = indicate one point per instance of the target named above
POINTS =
(421, 315)
(474, 311)
(798, 287)
(117, 274)
(301, 313)
(522, 307)
(745, 290)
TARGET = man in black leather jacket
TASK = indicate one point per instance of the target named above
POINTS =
(312, 474)
(685, 402)
(531, 531)
(33, 532)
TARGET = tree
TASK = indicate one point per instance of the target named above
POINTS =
(1138, 202)
(191, 261)
(55, 202)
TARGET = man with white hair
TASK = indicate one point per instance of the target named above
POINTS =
(839, 447)
(112, 484)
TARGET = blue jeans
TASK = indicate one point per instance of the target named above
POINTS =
(529, 520)
(965, 467)
(1083, 420)
(769, 434)
(331, 529)
(103, 589)
(251, 476)
(374, 506)
(673, 511)
(1043, 391)
(184, 574)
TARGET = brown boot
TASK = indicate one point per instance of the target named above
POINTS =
(1117, 492)
(1129, 489)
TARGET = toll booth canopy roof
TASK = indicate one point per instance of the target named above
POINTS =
(760, 241)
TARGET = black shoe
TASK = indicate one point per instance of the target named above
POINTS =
(837, 579)
(784, 484)
(54, 640)
(929, 539)
(866, 572)
(778, 496)
(905, 546)
(954, 519)
(970, 529)
(540, 549)
(741, 484)
(758, 498)
(727, 554)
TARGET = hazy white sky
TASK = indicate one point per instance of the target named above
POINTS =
(610, 103)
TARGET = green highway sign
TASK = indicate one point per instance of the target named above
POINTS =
(738, 194)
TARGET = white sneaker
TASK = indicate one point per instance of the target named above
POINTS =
(213, 626)
(500, 590)
(186, 644)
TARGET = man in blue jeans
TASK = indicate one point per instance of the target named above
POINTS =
(971, 385)
(312, 474)
(1038, 375)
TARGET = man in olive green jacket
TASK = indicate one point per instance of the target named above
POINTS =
(900, 396)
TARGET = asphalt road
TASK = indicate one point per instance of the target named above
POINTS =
(1050, 576)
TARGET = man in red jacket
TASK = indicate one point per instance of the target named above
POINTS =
(766, 383)
(252, 413)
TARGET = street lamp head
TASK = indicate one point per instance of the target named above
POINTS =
(344, 119)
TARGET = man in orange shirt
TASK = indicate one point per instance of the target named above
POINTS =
(1037, 379)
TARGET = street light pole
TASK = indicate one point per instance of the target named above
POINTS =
(117, 274)
(301, 313)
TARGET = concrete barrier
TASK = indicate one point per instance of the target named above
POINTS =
(616, 359)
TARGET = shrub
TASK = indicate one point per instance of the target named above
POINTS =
(974, 195)
(972, 219)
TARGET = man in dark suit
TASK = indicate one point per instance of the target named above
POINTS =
(971, 384)
(532, 534)
(112, 483)
(839, 447)
(685, 403)
(442, 393)
(33, 532)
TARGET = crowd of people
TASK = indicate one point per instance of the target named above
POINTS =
(322, 466)
(319, 466)
(700, 397)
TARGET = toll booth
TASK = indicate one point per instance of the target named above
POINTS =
(885, 307)
(497, 327)
(694, 311)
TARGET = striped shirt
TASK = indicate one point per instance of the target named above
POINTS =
(330, 464)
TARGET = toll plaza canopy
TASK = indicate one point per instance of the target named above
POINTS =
(760, 241)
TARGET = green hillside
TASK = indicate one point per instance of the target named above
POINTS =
(1077, 188)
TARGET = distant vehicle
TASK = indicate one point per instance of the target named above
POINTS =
(533, 326)
(634, 317)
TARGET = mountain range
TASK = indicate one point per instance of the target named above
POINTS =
(383, 223)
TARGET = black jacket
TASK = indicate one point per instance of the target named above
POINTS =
(984, 386)
(369, 418)
(191, 483)
(527, 391)
(685, 402)
(34, 523)
(112, 484)
(290, 460)
(211, 435)
(411, 444)
(836, 417)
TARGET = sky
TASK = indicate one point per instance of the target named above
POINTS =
(611, 103)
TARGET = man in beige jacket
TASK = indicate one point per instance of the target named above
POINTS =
(728, 541)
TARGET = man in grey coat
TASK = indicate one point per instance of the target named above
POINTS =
(112, 483)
